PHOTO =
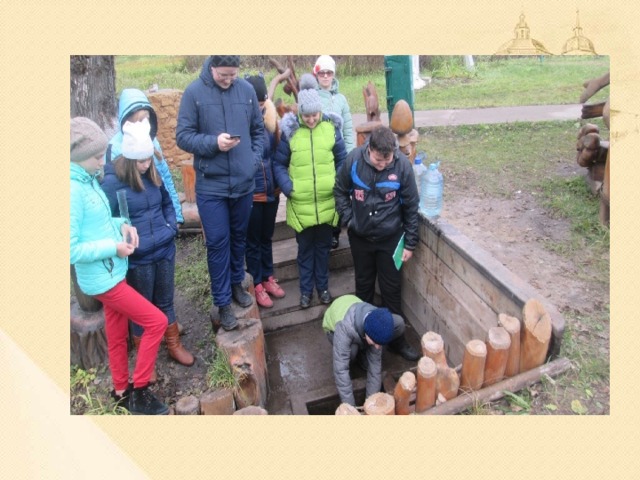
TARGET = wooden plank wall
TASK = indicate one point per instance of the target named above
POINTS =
(455, 288)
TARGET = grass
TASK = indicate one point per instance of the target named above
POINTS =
(500, 158)
(221, 374)
(512, 81)
(192, 274)
(87, 398)
(496, 81)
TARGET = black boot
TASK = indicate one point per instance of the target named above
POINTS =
(143, 402)
(402, 348)
(241, 296)
(228, 320)
(123, 399)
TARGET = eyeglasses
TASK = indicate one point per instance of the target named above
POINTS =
(225, 76)
(325, 73)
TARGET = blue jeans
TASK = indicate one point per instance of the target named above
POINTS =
(155, 283)
(259, 251)
(314, 247)
(224, 221)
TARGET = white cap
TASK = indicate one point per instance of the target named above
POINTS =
(136, 141)
(324, 62)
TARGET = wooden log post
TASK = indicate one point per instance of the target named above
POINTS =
(402, 393)
(498, 343)
(535, 336)
(496, 391)
(188, 180)
(245, 349)
(346, 409)
(475, 356)
(512, 326)
(447, 382)
(605, 194)
(88, 337)
(380, 404)
(86, 302)
(426, 384)
(251, 410)
(433, 347)
(188, 406)
(218, 401)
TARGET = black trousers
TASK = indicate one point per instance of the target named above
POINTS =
(373, 260)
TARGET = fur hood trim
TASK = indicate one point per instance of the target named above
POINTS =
(290, 123)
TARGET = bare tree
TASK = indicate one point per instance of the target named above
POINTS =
(93, 89)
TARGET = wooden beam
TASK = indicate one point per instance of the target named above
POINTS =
(496, 391)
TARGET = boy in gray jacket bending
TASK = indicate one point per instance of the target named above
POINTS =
(358, 330)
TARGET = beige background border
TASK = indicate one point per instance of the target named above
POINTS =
(41, 440)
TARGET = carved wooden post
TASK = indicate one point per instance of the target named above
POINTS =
(245, 349)
(88, 338)
(402, 393)
(346, 409)
(512, 326)
(535, 336)
(188, 180)
(447, 383)
(498, 343)
(426, 388)
(472, 375)
(380, 404)
(433, 347)
(251, 410)
(188, 406)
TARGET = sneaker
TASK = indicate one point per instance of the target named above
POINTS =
(143, 402)
(305, 300)
(272, 288)
(262, 297)
(325, 297)
(335, 241)
(228, 320)
(241, 296)
(123, 399)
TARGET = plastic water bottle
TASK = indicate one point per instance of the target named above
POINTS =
(419, 170)
(431, 192)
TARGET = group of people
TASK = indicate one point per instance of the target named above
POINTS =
(125, 214)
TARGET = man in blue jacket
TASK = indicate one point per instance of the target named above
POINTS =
(377, 199)
(221, 124)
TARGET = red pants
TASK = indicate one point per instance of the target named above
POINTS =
(122, 303)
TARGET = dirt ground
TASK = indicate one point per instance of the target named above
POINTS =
(515, 231)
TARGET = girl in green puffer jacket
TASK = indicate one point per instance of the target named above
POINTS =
(310, 152)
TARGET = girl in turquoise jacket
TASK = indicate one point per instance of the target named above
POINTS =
(99, 249)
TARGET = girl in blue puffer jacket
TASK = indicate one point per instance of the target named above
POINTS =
(99, 248)
(152, 265)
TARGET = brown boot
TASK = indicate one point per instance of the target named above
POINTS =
(136, 343)
(175, 348)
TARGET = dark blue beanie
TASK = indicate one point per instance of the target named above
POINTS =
(379, 326)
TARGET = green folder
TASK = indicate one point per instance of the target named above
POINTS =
(397, 255)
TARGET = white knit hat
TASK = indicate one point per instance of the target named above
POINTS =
(324, 62)
(136, 141)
